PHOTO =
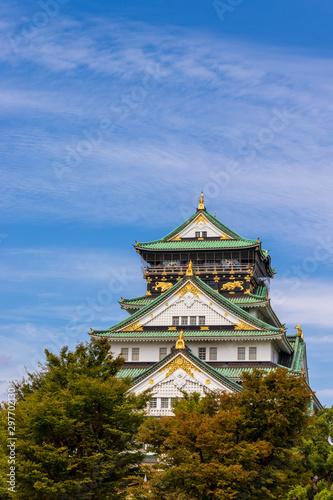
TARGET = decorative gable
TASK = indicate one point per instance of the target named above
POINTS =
(178, 373)
(189, 301)
(201, 226)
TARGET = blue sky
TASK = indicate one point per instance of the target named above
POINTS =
(115, 116)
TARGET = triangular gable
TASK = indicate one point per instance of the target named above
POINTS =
(182, 371)
(185, 293)
(201, 224)
(200, 216)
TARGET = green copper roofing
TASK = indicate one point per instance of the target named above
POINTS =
(196, 244)
(211, 218)
(237, 241)
(189, 334)
(205, 367)
(299, 347)
(227, 304)
(138, 301)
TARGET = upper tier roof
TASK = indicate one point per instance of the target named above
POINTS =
(219, 237)
(230, 239)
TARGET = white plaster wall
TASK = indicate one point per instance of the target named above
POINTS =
(226, 351)
(189, 231)
(189, 307)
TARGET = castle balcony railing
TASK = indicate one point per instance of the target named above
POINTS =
(205, 268)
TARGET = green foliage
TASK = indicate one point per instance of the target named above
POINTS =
(76, 425)
(237, 446)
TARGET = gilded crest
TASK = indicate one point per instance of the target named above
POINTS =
(177, 363)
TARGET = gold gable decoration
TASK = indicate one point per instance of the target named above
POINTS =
(201, 218)
(244, 326)
(189, 287)
(181, 363)
(134, 327)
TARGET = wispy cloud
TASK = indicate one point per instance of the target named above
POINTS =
(227, 93)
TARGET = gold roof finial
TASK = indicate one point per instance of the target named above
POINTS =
(201, 202)
(180, 344)
(189, 271)
(299, 330)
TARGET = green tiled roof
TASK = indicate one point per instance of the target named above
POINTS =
(237, 241)
(138, 301)
(196, 244)
(226, 371)
(211, 218)
(227, 304)
(189, 334)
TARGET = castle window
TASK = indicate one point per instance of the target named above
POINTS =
(202, 320)
(193, 320)
(213, 353)
(164, 402)
(153, 403)
(204, 234)
(135, 353)
(241, 353)
(163, 352)
(175, 320)
(252, 353)
(184, 320)
(202, 353)
(124, 353)
(197, 234)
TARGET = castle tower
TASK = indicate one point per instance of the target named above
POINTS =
(206, 315)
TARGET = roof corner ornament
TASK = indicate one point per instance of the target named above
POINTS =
(180, 344)
(91, 330)
(299, 331)
(258, 240)
(283, 329)
(189, 271)
(201, 202)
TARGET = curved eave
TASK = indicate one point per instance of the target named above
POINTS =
(199, 335)
(171, 246)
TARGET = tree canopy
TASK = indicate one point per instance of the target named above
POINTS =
(231, 446)
(76, 426)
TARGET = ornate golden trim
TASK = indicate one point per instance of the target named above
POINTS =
(134, 327)
(201, 205)
(231, 285)
(244, 326)
(189, 287)
(299, 330)
(189, 271)
(176, 238)
(201, 218)
(180, 344)
(162, 285)
(182, 363)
